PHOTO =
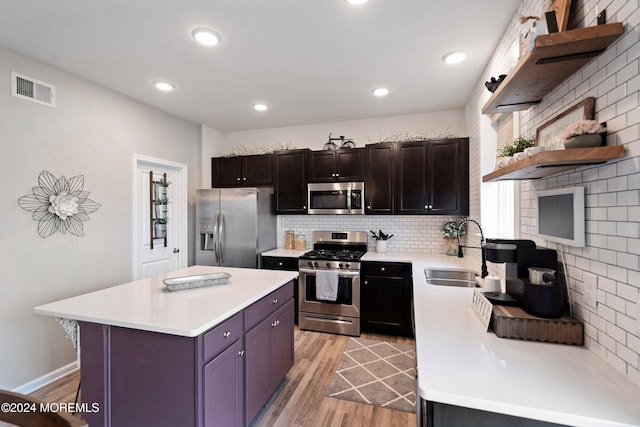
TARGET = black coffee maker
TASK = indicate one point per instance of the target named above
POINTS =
(543, 300)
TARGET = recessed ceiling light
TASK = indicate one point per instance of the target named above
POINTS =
(206, 36)
(357, 2)
(454, 57)
(380, 91)
(260, 107)
(164, 86)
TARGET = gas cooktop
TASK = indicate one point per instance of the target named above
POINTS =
(334, 254)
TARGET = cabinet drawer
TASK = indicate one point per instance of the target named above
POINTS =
(280, 263)
(221, 336)
(383, 269)
(259, 310)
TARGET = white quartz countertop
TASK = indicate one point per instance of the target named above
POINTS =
(461, 364)
(281, 252)
(147, 305)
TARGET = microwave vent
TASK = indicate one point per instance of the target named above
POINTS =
(30, 89)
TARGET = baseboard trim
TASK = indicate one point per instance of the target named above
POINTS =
(46, 379)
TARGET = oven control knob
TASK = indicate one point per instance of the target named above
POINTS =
(328, 265)
(340, 265)
(310, 264)
(315, 263)
(347, 266)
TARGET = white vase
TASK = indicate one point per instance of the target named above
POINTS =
(381, 246)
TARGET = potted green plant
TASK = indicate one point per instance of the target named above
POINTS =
(517, 146)
(160, 189)
(381, 240)
(449, 232)
(160, 227)
(584, 133)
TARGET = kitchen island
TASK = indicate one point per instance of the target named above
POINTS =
(199, 357)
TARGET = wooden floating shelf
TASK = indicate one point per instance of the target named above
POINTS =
(547, 163)
(555, 57)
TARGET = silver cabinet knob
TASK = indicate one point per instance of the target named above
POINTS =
(280, 264)
(275, 300)
(304, 207)
(176, 250)
(226, 334)
(366, 283)
(244, 179)
(241, 353)
(275, 323)
(369, 207)
(238, 179)
(382, 269)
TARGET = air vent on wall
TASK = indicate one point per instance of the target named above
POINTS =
(32, 90)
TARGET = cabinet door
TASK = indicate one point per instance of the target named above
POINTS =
(226, 171)
(256, 170)
(349, 164)
(449, 177)
(281, 343)
(411, 192)
(383, 304)
(224, 388)
(291, 181)
(322, 166)
(257, 368)
(379, 179)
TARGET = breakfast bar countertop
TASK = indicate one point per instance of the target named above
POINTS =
(147, 305)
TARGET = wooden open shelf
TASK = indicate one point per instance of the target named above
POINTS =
(555, 57)
(548, 163)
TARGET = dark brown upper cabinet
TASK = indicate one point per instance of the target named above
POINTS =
(379, 178)
(291, 181)
(241, 171)
(345, 164)
(432, 177)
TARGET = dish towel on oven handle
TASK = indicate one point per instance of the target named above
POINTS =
(326, 285)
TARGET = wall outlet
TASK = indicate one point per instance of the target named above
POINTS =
(590, 291)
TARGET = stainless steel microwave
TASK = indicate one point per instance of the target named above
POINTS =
(336, 198)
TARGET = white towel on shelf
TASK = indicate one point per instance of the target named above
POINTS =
(326, 285)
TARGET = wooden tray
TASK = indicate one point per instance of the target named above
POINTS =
(515, 323)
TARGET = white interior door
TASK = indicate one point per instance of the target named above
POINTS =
(155, 255)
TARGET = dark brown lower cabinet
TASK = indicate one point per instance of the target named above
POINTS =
(386, 297)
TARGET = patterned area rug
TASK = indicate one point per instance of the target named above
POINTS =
(377, 373)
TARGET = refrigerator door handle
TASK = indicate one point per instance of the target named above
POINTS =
(221, 237)
(216, 235)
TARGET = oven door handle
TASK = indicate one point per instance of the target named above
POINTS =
(312, 272)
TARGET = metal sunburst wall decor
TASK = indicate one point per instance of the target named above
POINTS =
(59, 204)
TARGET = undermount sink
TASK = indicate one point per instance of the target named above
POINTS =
(445, 277)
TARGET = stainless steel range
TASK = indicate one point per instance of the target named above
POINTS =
(329, 297)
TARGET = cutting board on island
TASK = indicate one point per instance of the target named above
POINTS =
(515, 323)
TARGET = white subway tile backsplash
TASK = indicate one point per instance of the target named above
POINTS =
(416, 234)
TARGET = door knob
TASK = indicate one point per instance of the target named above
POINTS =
(176, 250)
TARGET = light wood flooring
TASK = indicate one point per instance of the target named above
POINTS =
(300, 400)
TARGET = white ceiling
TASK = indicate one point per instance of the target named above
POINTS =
(312, 61)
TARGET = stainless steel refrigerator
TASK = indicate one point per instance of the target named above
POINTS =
(234, 226)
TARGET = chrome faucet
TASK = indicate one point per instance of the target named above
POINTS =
(482, 247)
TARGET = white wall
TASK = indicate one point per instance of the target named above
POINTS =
(413, 233)
(612, 252)
(92, 132)
(361, 131)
